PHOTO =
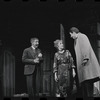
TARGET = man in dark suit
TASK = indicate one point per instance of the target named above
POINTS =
(32, 58)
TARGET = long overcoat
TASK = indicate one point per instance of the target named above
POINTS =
(84, 51)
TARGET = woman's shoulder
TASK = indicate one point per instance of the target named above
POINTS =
(56, 54)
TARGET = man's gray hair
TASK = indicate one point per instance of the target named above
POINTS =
(32, 39)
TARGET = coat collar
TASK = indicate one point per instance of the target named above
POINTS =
(33, 52)
(33, 48)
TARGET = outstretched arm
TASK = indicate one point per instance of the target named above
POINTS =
(71, 60)
(55, 68)
(72, 64)
(55, 64)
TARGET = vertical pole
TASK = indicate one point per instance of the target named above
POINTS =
(62, 35)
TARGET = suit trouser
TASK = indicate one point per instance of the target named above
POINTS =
(87, 88)
(31, 84)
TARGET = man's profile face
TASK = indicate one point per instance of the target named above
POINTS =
(73, 35)
(35, 43)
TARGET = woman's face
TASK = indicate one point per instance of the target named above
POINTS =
(60, 45)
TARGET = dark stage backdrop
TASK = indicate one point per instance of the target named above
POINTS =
(7, 73)
(20, 21)
(11, 75)
(47, 74)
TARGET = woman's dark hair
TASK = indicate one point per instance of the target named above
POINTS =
(74, 29)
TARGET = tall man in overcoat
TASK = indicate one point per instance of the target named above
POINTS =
(88, 68)
(32, 58)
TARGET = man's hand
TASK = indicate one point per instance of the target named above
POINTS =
(84, 62)
(40, 55)
(36, 60)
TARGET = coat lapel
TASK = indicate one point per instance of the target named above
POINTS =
(33, 52)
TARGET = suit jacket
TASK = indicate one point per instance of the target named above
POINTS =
(84, 51)
(28, 59)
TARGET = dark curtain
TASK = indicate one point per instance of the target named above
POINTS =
(7, 62)
(1, 74)
(47, 74)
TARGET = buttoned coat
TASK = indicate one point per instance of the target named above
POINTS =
(29, 54)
